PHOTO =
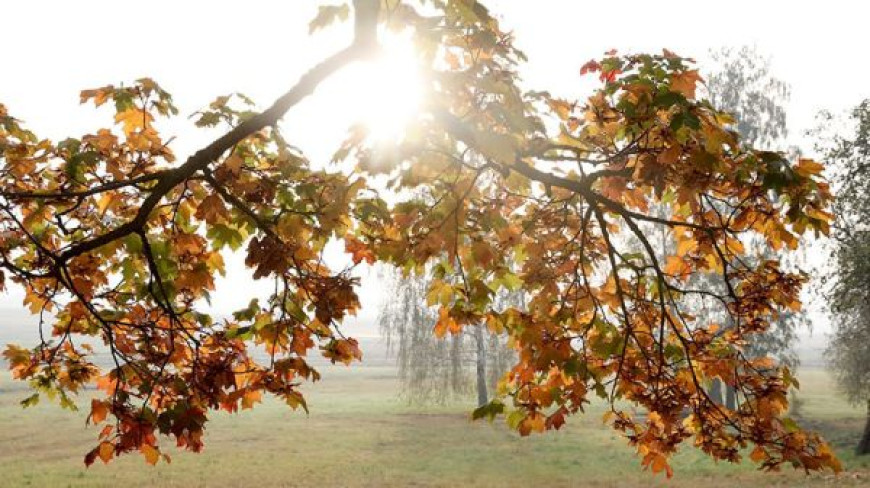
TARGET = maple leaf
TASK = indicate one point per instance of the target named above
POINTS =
(133, 119)
(212, 210)
(326, 15)
(99, 410)
(685, 83)
(358, 250)
(590, 66)
(106, 451)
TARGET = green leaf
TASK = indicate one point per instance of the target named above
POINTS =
(790, 425)
(515, 418)
(30, 401)
(223, 235)
(511, 281)
(249, 312)
(488, 411)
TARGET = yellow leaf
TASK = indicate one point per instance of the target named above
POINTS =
(104, 202)
(151, 453)
(808, 167)
(250, 398)
(133, 119)
(35, 302)
(685, 246)
(327, 14)
(500, 148)
(562, 107)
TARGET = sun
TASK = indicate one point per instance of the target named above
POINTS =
(387, 89)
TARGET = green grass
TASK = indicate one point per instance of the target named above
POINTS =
(359, 433)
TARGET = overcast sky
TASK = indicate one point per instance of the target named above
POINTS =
(199, 50)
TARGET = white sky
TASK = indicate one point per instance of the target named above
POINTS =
(199, 50)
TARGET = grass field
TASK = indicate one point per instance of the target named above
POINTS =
(359, 433)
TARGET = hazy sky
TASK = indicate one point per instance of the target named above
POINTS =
(200, 50)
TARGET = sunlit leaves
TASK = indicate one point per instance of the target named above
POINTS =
(141, 294)
(599, 211)
(326, 15)
(685, 83)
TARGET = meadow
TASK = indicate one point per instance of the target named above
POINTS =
(360, 432)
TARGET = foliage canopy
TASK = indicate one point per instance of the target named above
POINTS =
(115, 240)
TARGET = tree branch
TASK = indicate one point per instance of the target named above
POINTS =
(362, 45)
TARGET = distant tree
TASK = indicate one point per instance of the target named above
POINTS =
(740, 81)
(849, 294)
(434, 368)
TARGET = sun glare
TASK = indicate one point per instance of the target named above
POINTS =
(387, 90)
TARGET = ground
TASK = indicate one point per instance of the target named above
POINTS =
(360, 433)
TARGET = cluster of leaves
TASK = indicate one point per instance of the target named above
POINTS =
(139, 293)
(498, 189)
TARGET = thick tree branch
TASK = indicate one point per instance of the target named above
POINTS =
(63, 195)
(361, 47)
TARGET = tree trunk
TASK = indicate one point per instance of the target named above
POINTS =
(481, 365)
(456, 364)
(716, 391)
(864, 445)
(730, 397)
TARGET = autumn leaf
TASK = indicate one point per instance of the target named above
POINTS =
(358, 250)
(590, 67)
(151, 454)
(106, 451)
(445, 323)
(808, 167)
(326, 15)
(212, 210)
(685, 83)
(133, 119)
(99, 410)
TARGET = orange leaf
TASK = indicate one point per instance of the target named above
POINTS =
(106, 451)
(151, 454)
(758, 454)
(446, 323)
(250, 398)
(99, 410)
(685, 83)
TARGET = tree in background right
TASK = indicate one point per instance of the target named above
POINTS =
(847, 150)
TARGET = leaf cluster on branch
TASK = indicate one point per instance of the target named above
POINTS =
(118, 242)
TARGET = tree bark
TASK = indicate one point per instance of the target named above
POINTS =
(864, 445)
(456, 364)
(481, 365)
